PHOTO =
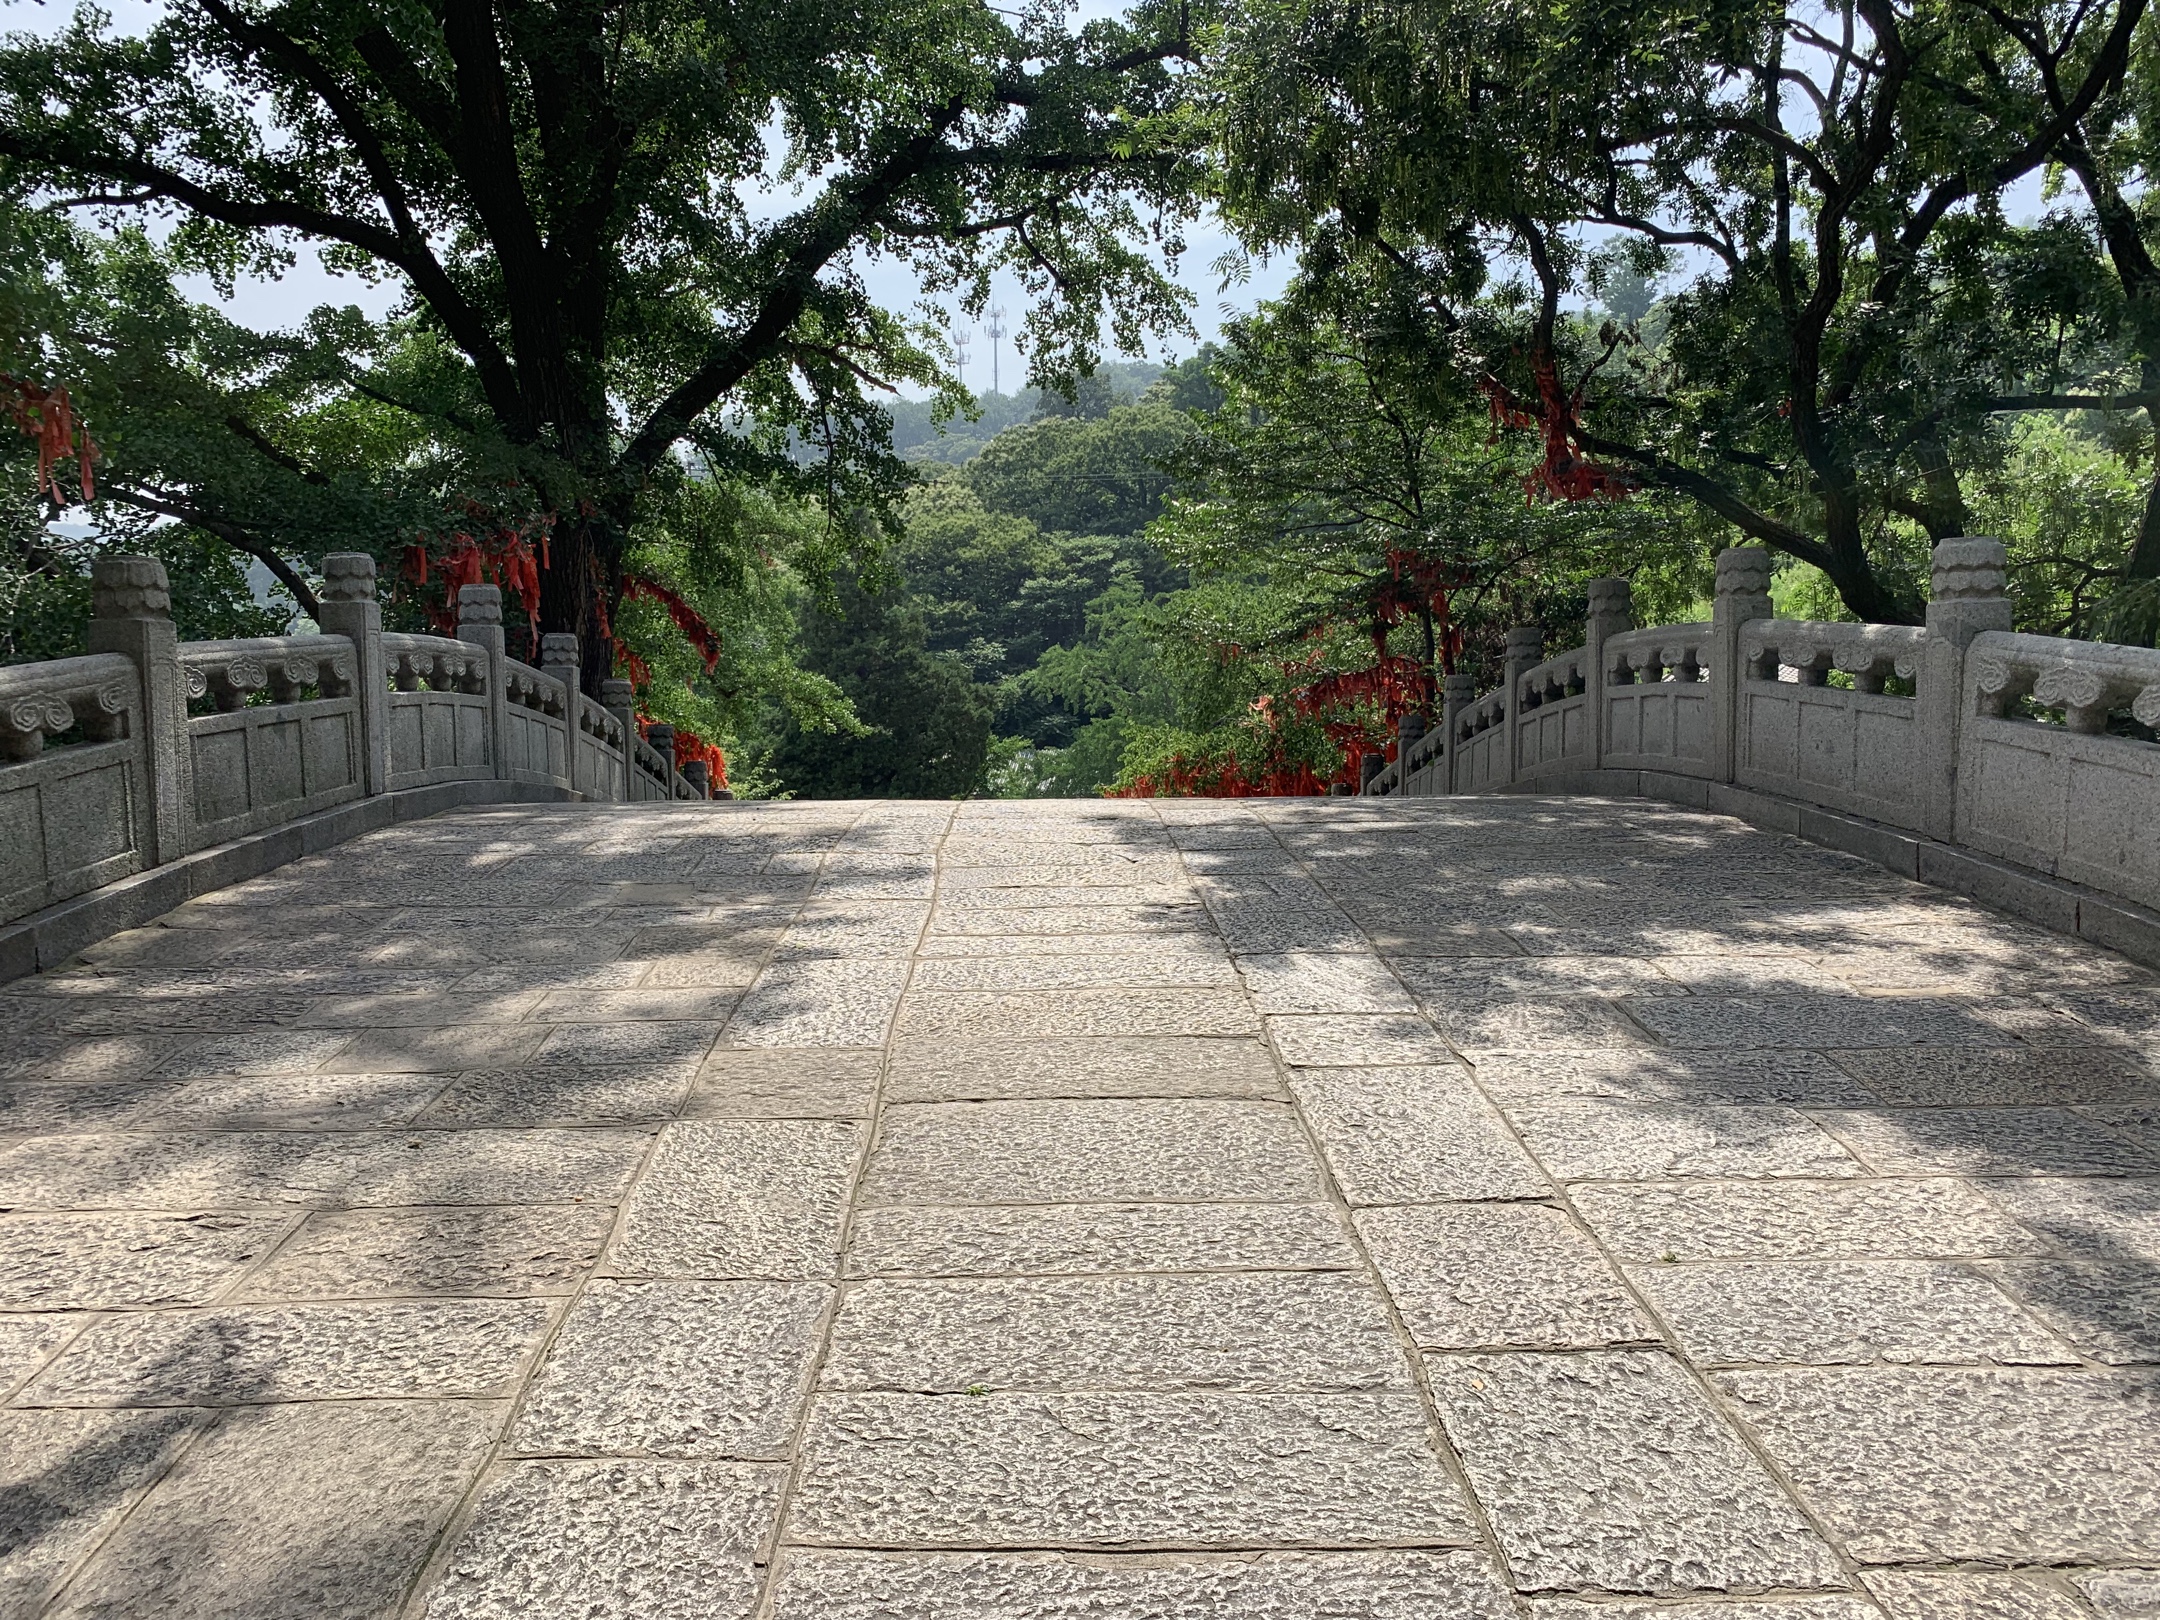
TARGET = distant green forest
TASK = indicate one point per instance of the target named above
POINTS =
(1024, 551)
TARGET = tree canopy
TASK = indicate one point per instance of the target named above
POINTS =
(576, 201)
(1856, 314)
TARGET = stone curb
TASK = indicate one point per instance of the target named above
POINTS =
(45, 939)
(2052, 902)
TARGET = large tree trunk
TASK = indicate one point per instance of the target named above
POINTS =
(579, 593)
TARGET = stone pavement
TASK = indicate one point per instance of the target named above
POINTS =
(1275, 1210)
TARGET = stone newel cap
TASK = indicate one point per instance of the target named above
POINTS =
(1969, 567)
(1743, 571)
(348, 576)
(616, 693)
(479, 604)
(129, 588)
(558, 647)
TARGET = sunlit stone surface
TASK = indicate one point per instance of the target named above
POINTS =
(1263, 1210)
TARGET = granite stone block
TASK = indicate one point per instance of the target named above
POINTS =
(67, 1478)
(2086, 1218)
(937, 1017)
(1356, 1040)
(1393, 1585)
(741, 1198)
(1972, 1595)
(335, 1504)
(1595, 1140)
(1123, 1470)
(1412, 1136)
(361, 1254)
(112, 1260)
(245, 1355)
(1645, 1074)
(1924, 1464)
(1103, 1066)
(2110, 1312)
(1090, 1152)
(1798, 1220)
(1073, 1239)
(819, 1082)
(1613, 1471)
(616, 1540)
(1814, 1021)
(1988, 1142)
(713, 1370)
(1470, 1276)
(1257, 1331)
(1839, 1311)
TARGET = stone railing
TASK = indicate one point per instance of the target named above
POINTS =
(151, 753)
(1953, 751)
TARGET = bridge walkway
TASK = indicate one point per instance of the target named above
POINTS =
(1371, 1210)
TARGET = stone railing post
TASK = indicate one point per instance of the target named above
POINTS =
(699, 775)
(131, 614)
(1743, 594)
(349, 609)
(619, 698)
(1612, 613)
(1968, 594)
(662, 739)
(1525, 650)
(559, 659)
(1409, 732)
(480, 625)
(1457, 692)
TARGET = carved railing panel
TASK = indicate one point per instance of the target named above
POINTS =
(230, 673)
(435, 663)
(42, 702)
(2066, 796)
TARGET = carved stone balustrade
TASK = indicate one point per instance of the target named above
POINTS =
(105, 774)
(230, 672)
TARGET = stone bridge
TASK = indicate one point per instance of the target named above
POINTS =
(1367, 1209)
(450, 1168)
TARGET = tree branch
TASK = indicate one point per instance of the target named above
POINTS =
(232, 534)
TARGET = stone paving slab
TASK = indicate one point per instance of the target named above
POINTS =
(1837, 1311)
(1413, 1136)
(1612, 1471)
(1280, 1210)
(104, 1261)
(360, 1254)
(1090, 1152)
(819, 1585)
(1128, 1470)
(741, 1198)
(472, 1348)
(335, 1505)
(69, 1477)
(1058, 1240)
(1257, 1331)
(614, 1540)
(1609, 1141)
(1796, 1220)
(1928, 1464)
(1483, 1276)
(1932, 1595)
(969, 1070)
(675, 1369)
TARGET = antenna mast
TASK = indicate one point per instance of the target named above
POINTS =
(996, 329)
